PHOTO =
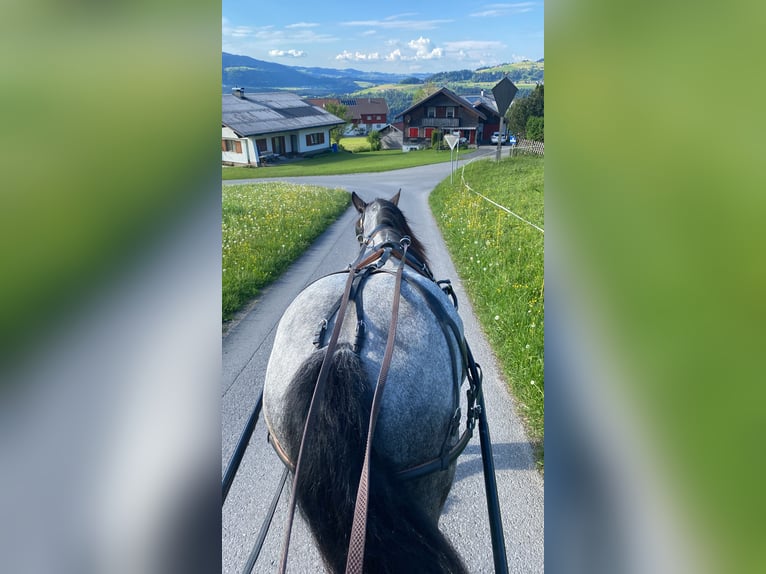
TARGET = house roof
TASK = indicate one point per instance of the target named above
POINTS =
(462, 102)
(485, 100)
(356, 106)
(264, 113)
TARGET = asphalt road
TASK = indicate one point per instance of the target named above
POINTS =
(246, 348)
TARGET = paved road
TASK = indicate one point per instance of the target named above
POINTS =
(246, 348)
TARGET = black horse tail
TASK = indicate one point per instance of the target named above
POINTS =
(401, 538)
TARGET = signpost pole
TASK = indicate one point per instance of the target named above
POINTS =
(499, 141)
(451, 140)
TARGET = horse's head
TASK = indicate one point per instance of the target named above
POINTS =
(375, 215)
(382, 221)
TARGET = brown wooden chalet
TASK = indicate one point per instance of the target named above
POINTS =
(443, 110)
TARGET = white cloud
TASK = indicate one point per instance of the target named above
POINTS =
(494, 10)
(422, 47)
(228, 30)
(358, 56)
(287, 53)
(395, 23)
(302, 25)
(473, 45)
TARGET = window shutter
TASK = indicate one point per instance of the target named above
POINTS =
(223, 145)
(238, 147)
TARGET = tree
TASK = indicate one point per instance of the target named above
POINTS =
(521, 110)
(374, 139)
(536, 128)
(422, 93)
(340, 111)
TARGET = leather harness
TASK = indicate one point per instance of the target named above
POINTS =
(358, 273)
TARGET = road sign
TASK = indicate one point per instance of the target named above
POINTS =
(451, 140)
(504, 91)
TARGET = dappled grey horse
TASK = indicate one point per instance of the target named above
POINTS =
(417, 427)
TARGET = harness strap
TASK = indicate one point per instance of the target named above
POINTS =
(316, 399)
(355, 559)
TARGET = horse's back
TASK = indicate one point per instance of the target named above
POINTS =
(420, 396)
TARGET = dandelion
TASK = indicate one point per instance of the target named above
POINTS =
(532, 326)
(497, 317)
(527, 347)
(532, 382)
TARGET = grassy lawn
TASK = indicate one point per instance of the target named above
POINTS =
(500, 260)
(266, 226)
(342, 162)
(355, 144)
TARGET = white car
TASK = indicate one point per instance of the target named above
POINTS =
(496, 136)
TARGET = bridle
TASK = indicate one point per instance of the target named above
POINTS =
(371, 259)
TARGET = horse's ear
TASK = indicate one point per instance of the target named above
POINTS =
(358, 202)
(395, 199)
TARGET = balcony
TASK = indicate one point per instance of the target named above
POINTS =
(436, 123)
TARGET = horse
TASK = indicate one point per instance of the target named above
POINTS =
(418, 410)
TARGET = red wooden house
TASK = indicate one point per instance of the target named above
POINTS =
(365, 114)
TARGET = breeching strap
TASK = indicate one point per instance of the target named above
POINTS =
(316, 399)
(355, 558)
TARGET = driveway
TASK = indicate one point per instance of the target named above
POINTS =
(246, 348)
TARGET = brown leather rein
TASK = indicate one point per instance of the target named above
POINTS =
(355, 559)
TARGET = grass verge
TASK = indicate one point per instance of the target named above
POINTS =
(500, 261)
(342, 162)
(266, 226)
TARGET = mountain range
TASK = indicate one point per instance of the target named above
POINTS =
(260, 76)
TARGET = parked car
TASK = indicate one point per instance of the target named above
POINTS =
(496, 136)
(462, 141)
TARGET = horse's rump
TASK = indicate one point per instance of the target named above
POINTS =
(421, 396)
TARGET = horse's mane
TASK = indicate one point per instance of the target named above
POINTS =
(391, 216)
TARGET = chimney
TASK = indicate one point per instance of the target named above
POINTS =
(238, 92)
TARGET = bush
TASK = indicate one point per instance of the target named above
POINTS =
(536, 128)
(436, 139)
(374, 139)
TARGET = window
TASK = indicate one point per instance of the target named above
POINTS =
(431, 112)
(450, 112)
(379, 118)
(315, 139)
(262, 145)
(231, 145)
(429, 131)
(413, 133)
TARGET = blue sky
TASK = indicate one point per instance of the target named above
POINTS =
(387, 36)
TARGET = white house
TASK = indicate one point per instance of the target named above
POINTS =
(256, 127)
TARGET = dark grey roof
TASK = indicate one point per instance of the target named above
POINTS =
(256, 114)
(483, 99)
